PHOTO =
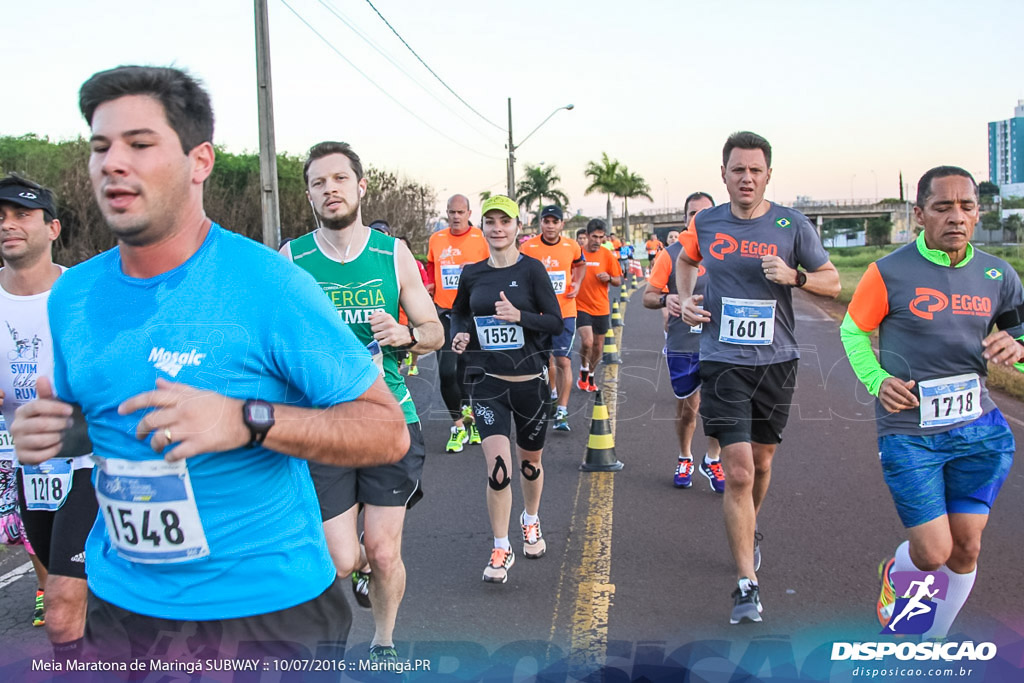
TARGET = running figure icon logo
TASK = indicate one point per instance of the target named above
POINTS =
(914, 610)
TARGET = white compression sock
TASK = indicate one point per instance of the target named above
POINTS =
(502, 543)
(903, 562)
(529, 519)
(960, 586)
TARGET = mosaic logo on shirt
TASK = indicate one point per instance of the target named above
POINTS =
(917, 592)
(172, 362)
(24, 367)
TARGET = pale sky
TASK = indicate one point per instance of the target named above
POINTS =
(848, 93)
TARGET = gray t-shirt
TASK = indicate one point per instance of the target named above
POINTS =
(936, 318)
(680, 337)
(752, 320)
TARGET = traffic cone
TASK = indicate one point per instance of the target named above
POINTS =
(601, 443)
(634, 281)
(611, 351)
(616, 316)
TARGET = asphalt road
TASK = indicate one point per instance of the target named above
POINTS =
(636, 581)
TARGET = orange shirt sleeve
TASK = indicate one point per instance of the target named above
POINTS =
(690, 245)
(870, 303)
(661, 271)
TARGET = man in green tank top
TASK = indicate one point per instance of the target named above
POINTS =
(367, 275)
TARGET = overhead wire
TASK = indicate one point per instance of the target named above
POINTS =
(433, 73)
(380, 88)
(337, 13)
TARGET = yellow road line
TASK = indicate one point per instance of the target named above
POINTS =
(588, 637)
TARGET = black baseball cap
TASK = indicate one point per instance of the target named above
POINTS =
(552, 210)
(28, 197)
(382, 226)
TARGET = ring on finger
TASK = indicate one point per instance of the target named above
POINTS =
(167, 434)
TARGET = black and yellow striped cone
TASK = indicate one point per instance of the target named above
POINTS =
(611, 351)
(616, 315)
(634, 281)
(601, 444)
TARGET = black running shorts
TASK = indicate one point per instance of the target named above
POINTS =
(395, 485)
(744, 403)
(497, 402)
(58, 537)
(600, 323)
(317, 628)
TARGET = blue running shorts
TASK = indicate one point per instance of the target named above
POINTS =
(958, 471)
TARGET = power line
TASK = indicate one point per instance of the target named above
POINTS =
(376, 85)
(427, 67)
(385, 55)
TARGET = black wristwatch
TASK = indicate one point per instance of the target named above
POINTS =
(412, 335)
(662, 300)
(801, 278)
(258, 416)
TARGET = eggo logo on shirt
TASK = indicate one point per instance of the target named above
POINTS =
(927, 302)
(726, 244)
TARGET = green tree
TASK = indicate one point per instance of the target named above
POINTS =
(630, 185)
(990, 220)
(538, 184)
(987, 190)
(603, 177)
(878, 230)
(1013, 225)
(485, 195)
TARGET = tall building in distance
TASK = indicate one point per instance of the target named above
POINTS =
(1006, 153)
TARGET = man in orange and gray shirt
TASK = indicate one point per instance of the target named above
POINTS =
(563, 259)
(449, 250)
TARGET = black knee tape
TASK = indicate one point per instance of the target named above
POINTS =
(530, 473)
(499, 478)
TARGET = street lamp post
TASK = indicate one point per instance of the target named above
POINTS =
(513, 147)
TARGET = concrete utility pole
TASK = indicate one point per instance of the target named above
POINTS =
(268, 149)
(511, 156)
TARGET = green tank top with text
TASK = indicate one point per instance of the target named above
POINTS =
(358, 289)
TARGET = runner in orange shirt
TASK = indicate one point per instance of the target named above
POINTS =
(653, 246)
(564, 262)
(449, 250)
(593, 310)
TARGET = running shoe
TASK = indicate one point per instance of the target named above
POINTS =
(361, 588)
(496, 570)
(386, 657)
(583, 382)
(591, 387)
(562, 420)
(414, 370)
(39, 615)
(712, 469)
(757, 549)
(887, 597)
(684, 474)
(746, 603)
(534, 545)
(474, 433)
(458, 437)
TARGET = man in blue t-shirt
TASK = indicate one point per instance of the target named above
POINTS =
(199, 360)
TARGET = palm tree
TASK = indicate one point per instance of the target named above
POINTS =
(629, 185)
(537, 185)
(485, 195)
(602, 179)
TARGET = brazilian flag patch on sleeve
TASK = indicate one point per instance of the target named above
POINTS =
(993, 274)
(783, 222)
